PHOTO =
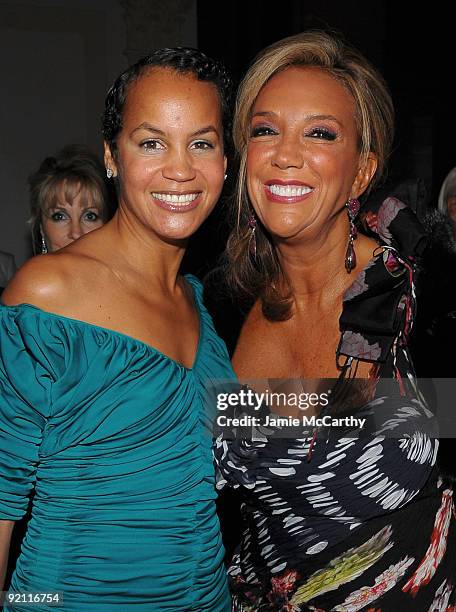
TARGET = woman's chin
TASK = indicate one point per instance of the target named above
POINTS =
(286, 231)
(285, 222)
(177, 234)
(178, 226)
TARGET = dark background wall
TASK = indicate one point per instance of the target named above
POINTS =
(58, 57)
(399, 38)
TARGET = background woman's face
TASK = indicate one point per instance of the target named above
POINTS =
(69, 220)
(303, 158)
(169, 160)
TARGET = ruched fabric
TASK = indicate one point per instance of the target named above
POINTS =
(113, 437)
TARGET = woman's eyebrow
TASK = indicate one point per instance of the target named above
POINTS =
(318, 117)
(205, 130)
(151, 128)
(264, 114)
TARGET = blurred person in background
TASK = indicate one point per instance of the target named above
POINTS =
(7, 268)
(69, 198)
(447, 197)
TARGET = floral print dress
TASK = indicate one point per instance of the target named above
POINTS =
(345, 519)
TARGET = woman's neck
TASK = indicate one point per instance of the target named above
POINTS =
(315, 267)
(140, 250)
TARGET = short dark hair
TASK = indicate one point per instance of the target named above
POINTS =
(184, 60)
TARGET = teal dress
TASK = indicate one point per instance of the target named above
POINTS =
(114, 439)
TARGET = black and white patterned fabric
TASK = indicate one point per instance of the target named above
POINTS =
(342, 518)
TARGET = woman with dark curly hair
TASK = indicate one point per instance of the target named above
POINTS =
(343, 505)
(105, 352)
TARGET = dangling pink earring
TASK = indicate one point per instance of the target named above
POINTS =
(352, 206)
(252, 238)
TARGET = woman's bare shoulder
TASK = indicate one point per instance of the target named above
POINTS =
(43, 280)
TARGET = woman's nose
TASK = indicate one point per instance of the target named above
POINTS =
(288, 153)
(179, 166)
(75, 229)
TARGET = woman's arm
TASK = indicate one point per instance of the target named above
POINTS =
(6, 529)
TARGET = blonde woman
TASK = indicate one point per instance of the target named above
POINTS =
(351, 517)
(69, 198)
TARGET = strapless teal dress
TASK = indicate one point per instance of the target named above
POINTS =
(113, 437)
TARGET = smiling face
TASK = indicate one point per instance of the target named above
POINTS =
(169, 158)
(303, 160)
(67, 219)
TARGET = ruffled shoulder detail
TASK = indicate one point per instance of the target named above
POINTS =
(196, 285)
(57, 366)
(27, 372)
(30, 356)
(379, 307)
